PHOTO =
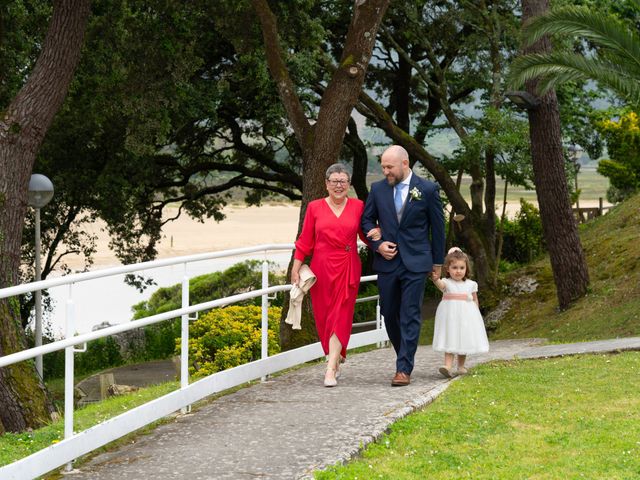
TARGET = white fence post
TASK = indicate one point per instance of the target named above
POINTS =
(378, 321)
(184, 339)
(69, 372)
(265, 313)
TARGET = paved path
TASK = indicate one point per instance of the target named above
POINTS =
(290, 426)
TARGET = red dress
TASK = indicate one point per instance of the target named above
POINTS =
(331, 241)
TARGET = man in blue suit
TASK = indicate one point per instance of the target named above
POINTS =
(409, 212)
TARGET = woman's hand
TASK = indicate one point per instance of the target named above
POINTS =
(295, 277)
(375, 234)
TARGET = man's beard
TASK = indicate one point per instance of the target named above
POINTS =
(394, 180)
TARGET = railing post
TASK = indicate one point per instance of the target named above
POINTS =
(69, 372)
(378, 321)
(184, 339)
(265, 313)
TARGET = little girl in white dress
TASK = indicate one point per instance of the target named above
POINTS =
(459, 328)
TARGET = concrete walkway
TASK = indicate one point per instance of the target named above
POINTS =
(290, 426)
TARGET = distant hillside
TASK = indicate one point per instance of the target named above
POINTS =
(612, 306)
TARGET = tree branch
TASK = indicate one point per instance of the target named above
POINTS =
(280, 74)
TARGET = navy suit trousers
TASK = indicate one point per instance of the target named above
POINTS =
(401, 293)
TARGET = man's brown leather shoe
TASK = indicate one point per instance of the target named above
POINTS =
(401, 379)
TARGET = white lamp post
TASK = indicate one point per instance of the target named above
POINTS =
(40, 193)
(575, 154)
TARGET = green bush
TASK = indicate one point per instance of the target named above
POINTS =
(523, 239)
(228, 337)
(366, 311)
(239, 278)
(101, 353)
(160, 339)
(623, 145)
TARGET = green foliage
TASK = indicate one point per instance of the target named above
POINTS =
(160, 339)
(523, 237)
(21, 35)
(504, 135)
(228, 337)
(623, 145)
(366, 311)
(239, 278)
(14, 446)
(101, 354)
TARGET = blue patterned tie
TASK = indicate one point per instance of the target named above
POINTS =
(397, 199)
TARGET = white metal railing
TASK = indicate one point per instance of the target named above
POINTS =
(75, 444)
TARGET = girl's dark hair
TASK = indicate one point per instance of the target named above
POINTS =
(456, 254)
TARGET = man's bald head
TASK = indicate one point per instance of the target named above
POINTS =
(396, 152)
(395, 164)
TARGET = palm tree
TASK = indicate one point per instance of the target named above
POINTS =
(615, 63)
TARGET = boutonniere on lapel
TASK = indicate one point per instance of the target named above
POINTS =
(415, 194)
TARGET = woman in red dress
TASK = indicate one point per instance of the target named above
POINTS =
(329, 234)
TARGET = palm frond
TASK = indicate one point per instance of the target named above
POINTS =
(559, 67)
(606, 31)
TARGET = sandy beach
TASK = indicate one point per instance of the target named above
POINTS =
(242, 227)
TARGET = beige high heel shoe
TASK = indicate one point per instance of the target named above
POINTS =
(328, 381)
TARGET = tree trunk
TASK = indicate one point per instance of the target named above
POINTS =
(560, 230)
(321, 143)
(401, 95)
(360, 161)
(23, 400)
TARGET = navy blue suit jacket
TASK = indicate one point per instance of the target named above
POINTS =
(420, 236)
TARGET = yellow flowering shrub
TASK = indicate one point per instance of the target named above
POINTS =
(623, 145)
(227, 337)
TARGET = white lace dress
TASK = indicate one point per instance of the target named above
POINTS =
(459, 326)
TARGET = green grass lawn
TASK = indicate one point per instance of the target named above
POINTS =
(16, 446)
(567, 418)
